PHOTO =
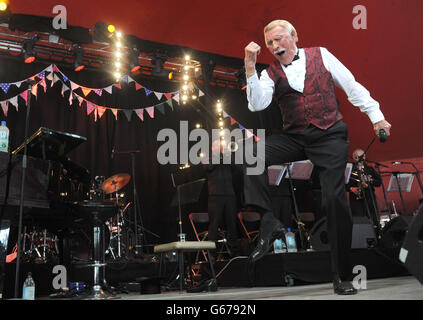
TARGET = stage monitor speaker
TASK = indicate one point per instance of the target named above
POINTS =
(411, 253)
(363, 234)
(394, 231)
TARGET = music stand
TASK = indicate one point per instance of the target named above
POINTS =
(50, 144)
(276, 174)
(299, 170)
(186, 193)
(401, 182)
(348, 171)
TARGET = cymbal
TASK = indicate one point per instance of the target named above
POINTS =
(115, 183)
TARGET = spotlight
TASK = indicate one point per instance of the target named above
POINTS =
(133, 60)
(207, 70)
(103, 32)
(158, 62)
(78, 54)
(3, 5)
(28, 49)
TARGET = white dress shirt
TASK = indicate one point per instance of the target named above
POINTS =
(260, 91)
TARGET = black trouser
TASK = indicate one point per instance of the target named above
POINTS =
(328, 151)
(222, 209)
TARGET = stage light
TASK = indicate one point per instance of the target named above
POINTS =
(198, 125)
(111, 28)
(103, 32)
(3, 5)
(133, 60)
(28, 49)
(207, 70)
(158, 62)
(170, 76)
(78, 55)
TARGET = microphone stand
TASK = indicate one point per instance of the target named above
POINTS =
(21, 204)
(384, 190)
(136, 201)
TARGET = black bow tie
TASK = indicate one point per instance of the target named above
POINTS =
(296, 57)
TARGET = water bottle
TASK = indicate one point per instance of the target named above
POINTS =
(279, 246)
(4, 137)
(28, 291)
(290, 241)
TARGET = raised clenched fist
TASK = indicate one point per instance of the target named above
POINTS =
(251, 52)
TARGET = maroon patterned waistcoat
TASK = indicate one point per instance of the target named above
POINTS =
(317, 105)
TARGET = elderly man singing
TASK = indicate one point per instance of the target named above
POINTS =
(302, 80)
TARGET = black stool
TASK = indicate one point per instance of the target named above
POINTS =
(97, 212)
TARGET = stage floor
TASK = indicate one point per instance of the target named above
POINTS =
(396, 288)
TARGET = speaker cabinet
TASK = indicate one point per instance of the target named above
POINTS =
(411, 253)
(363, 234)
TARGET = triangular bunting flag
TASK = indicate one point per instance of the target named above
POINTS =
(80, 99)
(64, 89)
(159, 95)
(130, 79)
(117, 85)
(5, 107)
(168, 95)
(161, 108)
(101, 111)
(241, 127)
(225, 115)
(128, 114)
(256, 138)
(55, 79)
(176, 98)
(99, 92)
(125, 79)
(5, 86)
(150, 111)
(19, 83)
(138, 86)
(140, 113)
(14, 102)
(108, 89)
(85, 91)
(65, 79)
(115, 112)
(24, 95)
(248, 133)
(74, 86)
(147, 91)
(34, 90)
(233, 121)
(201, 93)
(90, 107)
(43, 84)
(170, 103)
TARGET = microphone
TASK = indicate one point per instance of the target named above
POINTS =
(382, 135)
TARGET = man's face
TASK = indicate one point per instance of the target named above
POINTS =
(357, 155)
(281, 44)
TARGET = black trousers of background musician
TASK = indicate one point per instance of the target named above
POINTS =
(222, 212)
(328, 150)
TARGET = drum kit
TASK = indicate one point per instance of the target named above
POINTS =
(40, 246)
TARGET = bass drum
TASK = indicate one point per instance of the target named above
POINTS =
(81, 242)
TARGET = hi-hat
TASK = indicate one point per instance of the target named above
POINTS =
(115, 183)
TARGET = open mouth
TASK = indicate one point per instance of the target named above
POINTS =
(280, 53)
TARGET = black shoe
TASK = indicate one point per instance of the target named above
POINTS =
(204, 286)
(266, 240)
(344, 288)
